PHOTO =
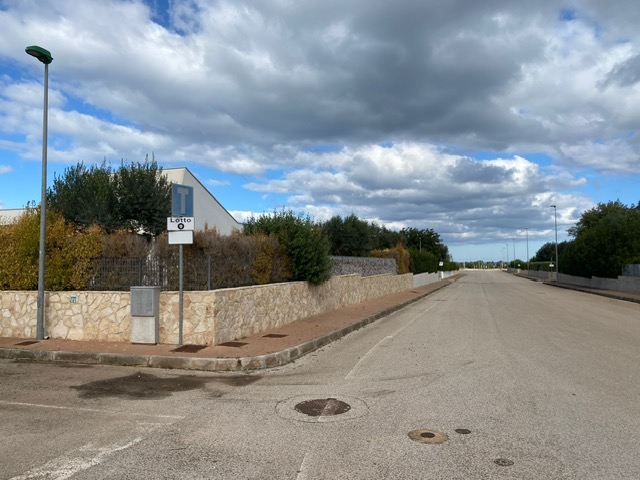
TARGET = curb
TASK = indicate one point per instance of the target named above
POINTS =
(260, 362)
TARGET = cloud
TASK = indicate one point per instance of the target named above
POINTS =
(418, 185)
(376, 108)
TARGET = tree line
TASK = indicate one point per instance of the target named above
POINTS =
(605, 239)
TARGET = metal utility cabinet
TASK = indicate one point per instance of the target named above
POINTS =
(145, 315)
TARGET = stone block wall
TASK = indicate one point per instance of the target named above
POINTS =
(244, 311)
(210, 317)
(364, 266)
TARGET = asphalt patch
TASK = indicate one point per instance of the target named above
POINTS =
(144, 386)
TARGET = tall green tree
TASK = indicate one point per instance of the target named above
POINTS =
(427, 240)
(606, 238)
(136, 197)
(86, 196)
(144, 197)
(350, 237)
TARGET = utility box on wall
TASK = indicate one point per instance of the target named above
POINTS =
(145, 315)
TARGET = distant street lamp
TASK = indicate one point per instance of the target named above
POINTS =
(555, 221)
(507, 245)
(526, 230)
(45, 57)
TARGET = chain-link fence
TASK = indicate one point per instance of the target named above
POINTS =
(207, 272)
(199, 273)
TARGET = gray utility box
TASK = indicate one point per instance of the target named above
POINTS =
(145, 315)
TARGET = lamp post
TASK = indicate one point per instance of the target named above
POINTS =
(507, 245)
(526, 230)
(45, 57)
(555, 222)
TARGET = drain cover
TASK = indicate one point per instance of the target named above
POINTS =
(432, 437)
(463, 431)
(233, 344)
(503, 462)
(189, 348)
(323, 407)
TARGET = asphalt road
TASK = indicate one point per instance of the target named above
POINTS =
(516, 379)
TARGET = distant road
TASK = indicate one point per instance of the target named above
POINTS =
(519, 380)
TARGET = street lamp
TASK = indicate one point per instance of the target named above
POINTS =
(526, 230)
(507, 245)
(555, 221)
(45, 57)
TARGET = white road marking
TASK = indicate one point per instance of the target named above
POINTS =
(302, 474)
(75, 461)
(91, 410)
(358, 365)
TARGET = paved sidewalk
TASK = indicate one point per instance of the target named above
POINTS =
(265, 350)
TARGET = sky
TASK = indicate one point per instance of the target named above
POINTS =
(469, 118)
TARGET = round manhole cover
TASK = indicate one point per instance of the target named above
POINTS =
(463, 431)
(432, 437)
(322, 407)
(503, 462)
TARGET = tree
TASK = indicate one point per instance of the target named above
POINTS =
(136, 198)
(546, 252)
(144, 197)
(607, 237)
(304, 242)
(349, 237)
(86, 196)
(426, 239)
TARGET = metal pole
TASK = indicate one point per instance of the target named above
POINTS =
(514, 249)
(180, 296)
(507, 245)
(555, 221)
(527, 233)
(43, 211)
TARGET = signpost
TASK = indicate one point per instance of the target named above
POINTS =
(181, 226)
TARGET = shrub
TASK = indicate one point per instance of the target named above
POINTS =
(398, 252)
(305, 244)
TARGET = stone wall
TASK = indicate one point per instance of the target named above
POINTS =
(631, 270)
(622, 283)
(210, 317)
(364, 266)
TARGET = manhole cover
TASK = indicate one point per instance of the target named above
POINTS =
(503, 462)
(189, 348)
(28, 342)
(323, 407)
(463, 431)
(432, 437)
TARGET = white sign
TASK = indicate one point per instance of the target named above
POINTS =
(181, 237)
(176, 224)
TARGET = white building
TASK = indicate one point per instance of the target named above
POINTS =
(207, 211)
